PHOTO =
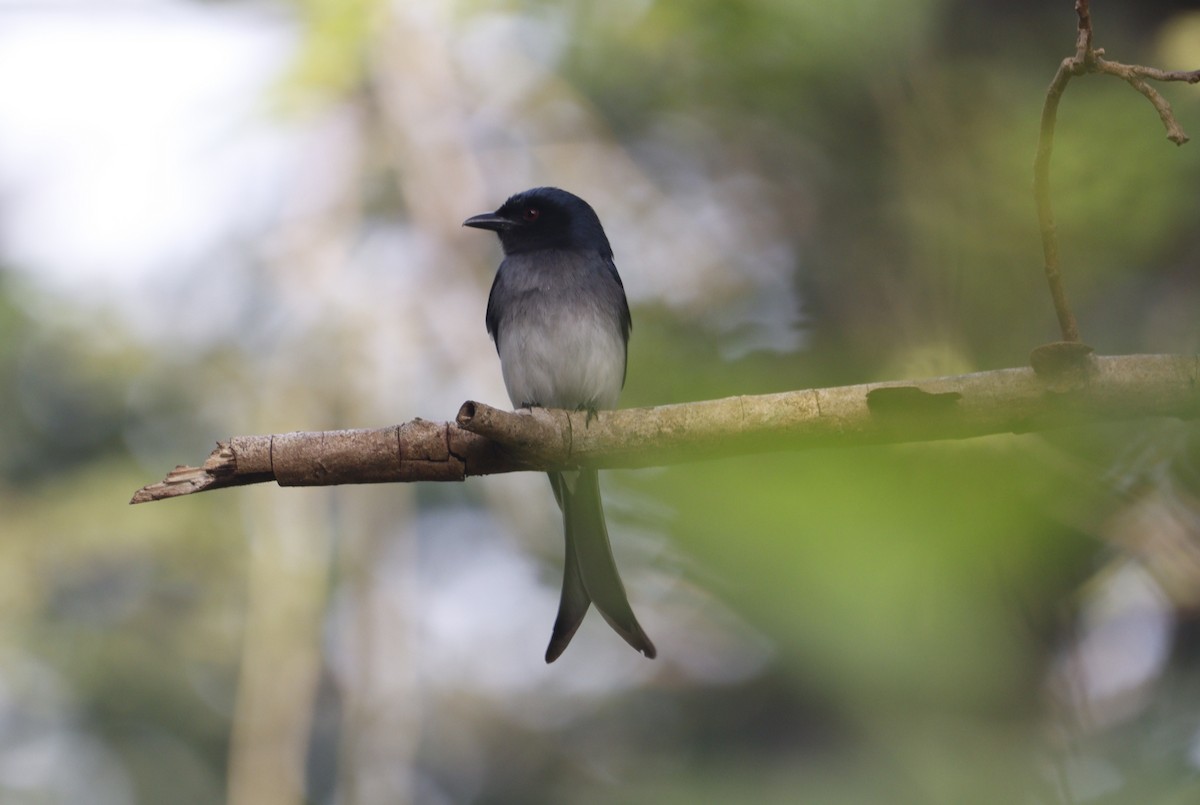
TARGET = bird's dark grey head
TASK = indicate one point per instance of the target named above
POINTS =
(545, 218)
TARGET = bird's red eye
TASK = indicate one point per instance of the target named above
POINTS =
(532, 213)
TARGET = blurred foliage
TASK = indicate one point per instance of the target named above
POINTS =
(123, 630)
(332, 58)
(59, 410)
(799, 194)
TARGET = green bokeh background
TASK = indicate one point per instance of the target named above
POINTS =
(800, 194)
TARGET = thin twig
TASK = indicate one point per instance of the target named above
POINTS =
(1133, 74)
(1087, 59)
(1069, 68)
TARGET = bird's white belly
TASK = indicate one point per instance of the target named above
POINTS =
(563, 361)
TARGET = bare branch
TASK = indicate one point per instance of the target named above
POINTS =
(1133, 74)
(486, 440)
(1041, 193)
(1067, 69)
(1087, 59)
(415, 451)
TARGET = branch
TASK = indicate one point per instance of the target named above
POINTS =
(1087, 59)
(415, 451)
(486, 440)
(1133, 74)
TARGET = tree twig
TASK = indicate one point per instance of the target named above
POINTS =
(1087, 59)
(1133, 74)
(485, 440)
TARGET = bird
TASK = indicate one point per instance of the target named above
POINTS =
(560, 320)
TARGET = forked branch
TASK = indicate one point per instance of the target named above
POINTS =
(1087, 59)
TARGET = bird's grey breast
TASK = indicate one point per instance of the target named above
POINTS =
(561, 324)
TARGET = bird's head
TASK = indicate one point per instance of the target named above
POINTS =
(545, 218)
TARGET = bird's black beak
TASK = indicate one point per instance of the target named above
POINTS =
(488, 220)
